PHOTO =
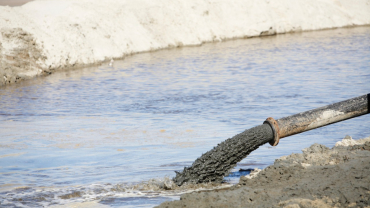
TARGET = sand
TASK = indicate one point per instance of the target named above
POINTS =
(318, 177)
(42, 36)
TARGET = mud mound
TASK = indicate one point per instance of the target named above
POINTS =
(319, 177)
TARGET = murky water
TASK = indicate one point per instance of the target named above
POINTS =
(108, 136)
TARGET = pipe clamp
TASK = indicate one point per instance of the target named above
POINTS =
(275, 128)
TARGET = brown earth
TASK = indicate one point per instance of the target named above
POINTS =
(22, 61)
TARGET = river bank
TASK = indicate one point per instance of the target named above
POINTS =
(318, 177)
(42, 36)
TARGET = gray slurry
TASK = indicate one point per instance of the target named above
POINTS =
(216, 163)
(318, 177)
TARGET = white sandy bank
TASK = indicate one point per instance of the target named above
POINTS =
(45, 35)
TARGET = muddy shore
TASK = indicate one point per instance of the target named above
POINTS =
(318, 177)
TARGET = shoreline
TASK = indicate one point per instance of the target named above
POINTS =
(41, 37)
(318, 177)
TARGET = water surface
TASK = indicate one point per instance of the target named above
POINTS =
(99, 134)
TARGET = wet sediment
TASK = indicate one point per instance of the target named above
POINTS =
(216, 163)
(318, 177)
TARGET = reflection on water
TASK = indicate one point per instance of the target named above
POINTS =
(72, 136)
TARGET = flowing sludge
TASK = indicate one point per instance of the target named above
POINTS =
(216, 163)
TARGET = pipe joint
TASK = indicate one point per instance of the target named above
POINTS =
(275, 128)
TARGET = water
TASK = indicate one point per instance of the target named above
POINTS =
(108, 136)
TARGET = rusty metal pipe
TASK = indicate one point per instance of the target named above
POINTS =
(318, 117)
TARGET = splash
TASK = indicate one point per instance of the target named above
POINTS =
(48, 196)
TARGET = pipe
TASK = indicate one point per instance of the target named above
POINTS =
(213, 165)
(318, 117)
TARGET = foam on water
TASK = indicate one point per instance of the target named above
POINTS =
(103, 193)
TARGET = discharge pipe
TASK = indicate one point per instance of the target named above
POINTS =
(216, 163)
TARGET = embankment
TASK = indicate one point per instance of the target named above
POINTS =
(318, 177)
(45, 35)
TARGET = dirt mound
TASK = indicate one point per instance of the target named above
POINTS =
(19, 56)
(318, 177)
(85, 32)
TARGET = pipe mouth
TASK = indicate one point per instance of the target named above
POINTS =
(275, 128)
